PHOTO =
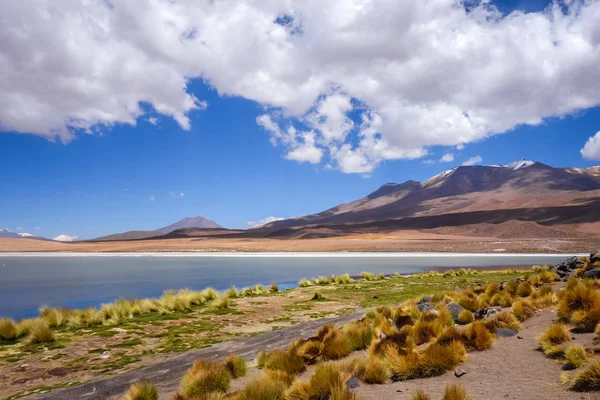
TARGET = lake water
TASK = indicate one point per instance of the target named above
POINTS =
(79, 281)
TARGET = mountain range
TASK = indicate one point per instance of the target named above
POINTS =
(185, 223)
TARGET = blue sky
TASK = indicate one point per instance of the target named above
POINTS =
(225, 166)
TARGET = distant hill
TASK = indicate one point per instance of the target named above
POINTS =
(130, 235)
(523, 190)
(5, 233)
(190, 222)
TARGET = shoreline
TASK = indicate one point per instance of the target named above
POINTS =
(286, 254)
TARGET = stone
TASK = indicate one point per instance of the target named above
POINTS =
(592, 274)
(594, 257)
(425, 300)
(501, 332)
(487, 312)
(455, 309)
(352, 383)
(459, 372)
(426, 307)
(519, 337)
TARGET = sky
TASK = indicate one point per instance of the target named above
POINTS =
(117, 117)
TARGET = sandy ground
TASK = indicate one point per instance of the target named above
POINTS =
(400, 241)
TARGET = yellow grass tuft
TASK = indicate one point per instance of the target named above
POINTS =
(425, 331)
(587, 380)
(205, 377)
(310, 351)
(232, 292)
(317, 295)
(335, 345)
(40, 331)
(8, 329)
(523, 309)
(284, 361)
(343, 279)
(222, 302)
(575, 356)
(359, 335)
(274, 288)
(325, 383)
(141, 391)
(505, 319)
(263, 388)
(419, 395)
(236, 365)
(280, 376)
(465, 317)
(455, 392)
(368, 276)
(376, 371)
(580, 304)
(524, 289)
(553, 336)
(304, 283)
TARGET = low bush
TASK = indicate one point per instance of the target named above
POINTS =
(375, 371)
(587, 380)
(455, 392)
(280, 376)
(236, 365)
(502, 299)
(141, 391)
(524, 289)
(580, 304)
(343, 279)
(505, 319)
(368, 276)
(335, 345)
(8, 329)
(556, 334)
(523, 309)
(419, 395)
(465, 317)
(205, 377)
(575, 356)
(222, 302)
(304, 283)
(263, 388)
(359, 334)
(232, 292)
(274, 288)
(40, 331)
(325, 383)
(425, 331)
(310, 351)
(284, 361)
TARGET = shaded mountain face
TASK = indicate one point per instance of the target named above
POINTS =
(190, 222)
(464, 189)
(5, 233)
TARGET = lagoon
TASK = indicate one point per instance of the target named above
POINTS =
(80, 280)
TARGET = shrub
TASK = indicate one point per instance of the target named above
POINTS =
(511, 288)
(8, 329)
(575, 356)
(310, 351)
(375, 371)
(304, 283)
(469, 301)
(580, 303)
(359, 335)
(284, 361)
(523, 309)
(465, 317)
(325, 383)
(424, 331)
(524, 289)
(318, 296)
(280, 376)
(548, 277)
(236, 365)
(368, 276)
(210, 294)
(261, 358)
(335, 345)
(141, 391)
(322, 280)
(380, 277)
(274, 288)
(343, 279)
(502, 299)
(263, 388)
(419, 395)
(232, 292)
(556, 334)
(205, 377)
(40, 332)
(24, 325)
(478, 337)
(455, 392)
(587, 380)
(222, 302)
(505, 319)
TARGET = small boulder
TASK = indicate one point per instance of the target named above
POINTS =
(426, 307)
(352, 383)
(594, 257)
(455, 309)
(501, 332)
(425, 300)
(459, 372)
(592, 274)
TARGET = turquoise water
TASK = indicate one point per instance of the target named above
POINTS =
(26, 282)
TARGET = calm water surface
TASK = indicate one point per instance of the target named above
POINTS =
(26, 282)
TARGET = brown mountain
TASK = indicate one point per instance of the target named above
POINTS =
(523, 191)
(183, 224)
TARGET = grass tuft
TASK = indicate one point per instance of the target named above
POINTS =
(553, 336)
(40, 331)
(304, 283)
(263, 388)
(318, 296)
(368, 276)
(575, 356)
(8, 329)
(523, 309)
(141, 391)
(376, 371)
(236, 365)
(465, 317)
(587, 380)
(205, 377)
(274, 288)
(455, 392)
(284, 361)
(419, 395)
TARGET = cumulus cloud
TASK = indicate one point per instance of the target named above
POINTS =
(473, 161)
(265, 221)
(65, 238)
(591, 150)
(349, 83)
(448, 157)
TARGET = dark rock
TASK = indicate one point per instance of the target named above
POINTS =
(58, 372)
(592, 274)
(568, 265)
(459, 372)
(594, 257)
(352, 383)
(506, 332)
(519, 337)
(487, 312)
(425, 300)
(426, 307)
(455, 310)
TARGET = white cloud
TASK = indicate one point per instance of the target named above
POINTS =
(473, 161)
(460, 147)
(176, 196)
(153, 120)
(591, 150)
(152, 198)
(416, 74)
(268, 220)
(448, 157)
(65, 238)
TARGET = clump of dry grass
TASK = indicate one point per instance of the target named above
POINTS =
(368, 276)
(335, 344)
(553, 336)
(40, 331)
(281, 376)
(505, 319)
(580, 304)
(222, 302)
(304, 283)
(375, 371)
(236, 365)
(474, 337)
(587, 380)
(502, 299)
(325, 383)
(8, 329)
(419, 395)
(263, 388)
(284, 361)
(524, 289)
(523, 309)
(424, 331)
(343, 279)
(205, 377)
(575, 356)
(232, 292)
(317, 295)
(455, 392)
(465, 317)
(359, 334)
(274, 288)
(141, 391)
(310, 351)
